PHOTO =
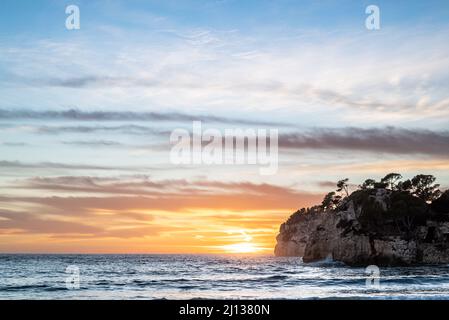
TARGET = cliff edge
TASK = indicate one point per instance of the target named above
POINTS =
(382, 223)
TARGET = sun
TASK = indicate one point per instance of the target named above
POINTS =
(244, 247)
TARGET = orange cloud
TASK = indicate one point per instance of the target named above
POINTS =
(193, 217)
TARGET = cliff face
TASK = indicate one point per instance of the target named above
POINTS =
(375, 226)
(294, 234)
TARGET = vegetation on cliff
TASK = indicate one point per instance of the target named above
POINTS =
(411, 201)
(391, 221)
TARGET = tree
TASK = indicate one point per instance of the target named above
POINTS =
(336, 200)
(391, 179)
(405, 186)
(368, 184)
(380, 185)
(328, 201)
(441, 205)
(342, 185)
(423, 187)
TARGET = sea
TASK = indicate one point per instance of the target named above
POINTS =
(48, 276)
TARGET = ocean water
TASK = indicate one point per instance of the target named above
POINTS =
(208, 277)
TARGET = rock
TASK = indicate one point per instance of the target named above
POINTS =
(374, 226)
(289, 249)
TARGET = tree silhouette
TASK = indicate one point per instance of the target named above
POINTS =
(423, 187)
(342, 185)
(391, 179)
(405, 185)
(328, 201)
(368, 184)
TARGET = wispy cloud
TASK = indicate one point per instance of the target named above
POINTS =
(79, 115)
(23, 222)
(93, 143)
(7, 165)
(132, 129)
(143, 185)
(385, 140)
(14, 144)
(210, 69)
(137, 206)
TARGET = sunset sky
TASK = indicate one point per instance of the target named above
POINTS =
(86, 115)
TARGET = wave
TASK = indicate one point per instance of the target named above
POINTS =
(25, 287)
(209, 277)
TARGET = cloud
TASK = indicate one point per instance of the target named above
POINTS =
(171, 204)
(390, 140)
(137, 185)
(141, 185)
(17, 222)
(7, 165)
(124, 129)
(302, 70)
(78, 115)
(412, 166)
(23, 222)
(140, 192)
(93, 143)
(14, 144)
(327, 184)
(136, 232)
(136, 206)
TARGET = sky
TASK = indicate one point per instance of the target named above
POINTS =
(86, 116)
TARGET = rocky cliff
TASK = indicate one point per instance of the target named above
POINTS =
(371, 226)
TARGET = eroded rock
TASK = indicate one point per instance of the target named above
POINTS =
(376, 226)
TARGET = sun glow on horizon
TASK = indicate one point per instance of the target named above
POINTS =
(244, 247)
